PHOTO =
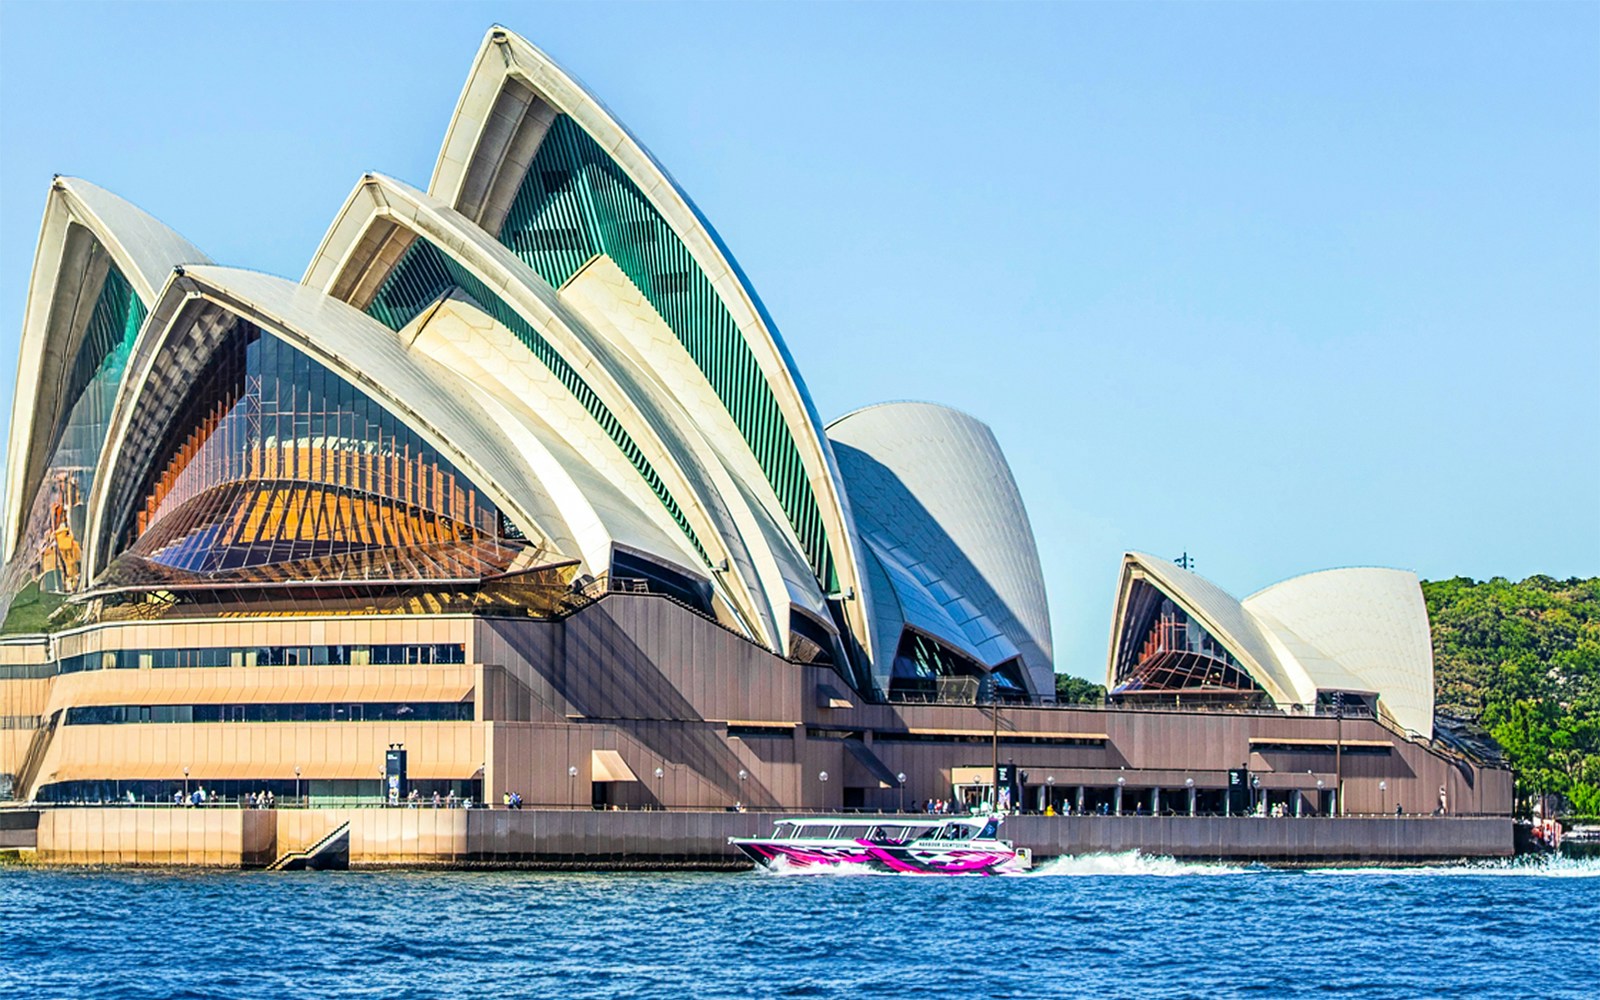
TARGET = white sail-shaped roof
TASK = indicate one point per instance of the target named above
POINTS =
(1347, 630)
(514, 99)
(1369, 622)
(86, 229)
(758, 569)
(349, 343)
(935, 501)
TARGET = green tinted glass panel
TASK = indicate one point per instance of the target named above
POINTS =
(424, 273)
(49, 551)
(575, 202)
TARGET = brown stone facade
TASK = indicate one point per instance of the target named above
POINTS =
(697, 717)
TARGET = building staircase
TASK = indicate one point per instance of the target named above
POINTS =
(330, 853)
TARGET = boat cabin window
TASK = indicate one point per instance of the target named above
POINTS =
(990, 829)
(852, 832)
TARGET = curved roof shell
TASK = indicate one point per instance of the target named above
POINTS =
(85, 230)
(764, 570)
(1372, 623)
(515, 97)
(937, 505)
(1352, 630)
(188, 321)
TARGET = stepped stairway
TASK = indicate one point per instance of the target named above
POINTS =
(331, 853)
(33, 759)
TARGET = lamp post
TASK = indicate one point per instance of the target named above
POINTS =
(1189, 784)
(1255, 795)
(901, 778)
(1120, 782)
(186, 784)
(659, 775)
(1050, 789)
(1319, 795)
(572, 781)
(1383, 798)
(297, 785)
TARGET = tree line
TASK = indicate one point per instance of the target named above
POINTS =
(1522, 660)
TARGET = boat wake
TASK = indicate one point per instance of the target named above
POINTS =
(1131, 863)
(1527, 866)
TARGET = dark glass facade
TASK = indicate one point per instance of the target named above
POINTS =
(1164, 650)
(50, 552)
(274, 460)
(388, 711)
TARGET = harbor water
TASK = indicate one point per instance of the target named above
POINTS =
(1100, 926)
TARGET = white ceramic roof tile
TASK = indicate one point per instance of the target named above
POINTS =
(931, 489)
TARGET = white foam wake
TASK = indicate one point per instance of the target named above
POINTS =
(1527, 866)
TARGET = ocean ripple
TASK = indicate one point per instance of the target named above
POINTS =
(1110, 925)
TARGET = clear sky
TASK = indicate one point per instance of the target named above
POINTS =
(1285, 286)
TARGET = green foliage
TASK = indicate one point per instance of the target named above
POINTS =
(1072, 690)
(30, 611)
(1523, 659)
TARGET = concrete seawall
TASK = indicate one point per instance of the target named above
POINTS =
(584, 839)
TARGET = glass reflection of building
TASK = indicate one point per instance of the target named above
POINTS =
(273, 460)
(50, 552)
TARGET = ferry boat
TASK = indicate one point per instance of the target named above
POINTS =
(933, 845)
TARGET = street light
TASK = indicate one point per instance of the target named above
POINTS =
(297, 783)
(901, 777)
(1383, 798)
(1050, 789)
(572, 778)
(1120, 782)
(1189, 784)
(1255, 795)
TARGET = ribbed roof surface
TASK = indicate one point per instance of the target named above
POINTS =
(1353, 630)
(931, 493)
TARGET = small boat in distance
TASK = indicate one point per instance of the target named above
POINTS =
(933, 845)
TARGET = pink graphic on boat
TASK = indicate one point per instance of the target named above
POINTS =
(912, 845)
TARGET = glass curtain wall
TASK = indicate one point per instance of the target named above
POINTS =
(275, 459)
(49, 555)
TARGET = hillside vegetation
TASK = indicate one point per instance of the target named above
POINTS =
(1523, 660)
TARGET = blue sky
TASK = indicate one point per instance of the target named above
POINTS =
(1285, 286)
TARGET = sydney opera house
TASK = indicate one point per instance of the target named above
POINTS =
(519, 476)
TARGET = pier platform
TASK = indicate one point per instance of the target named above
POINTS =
(597, 840)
